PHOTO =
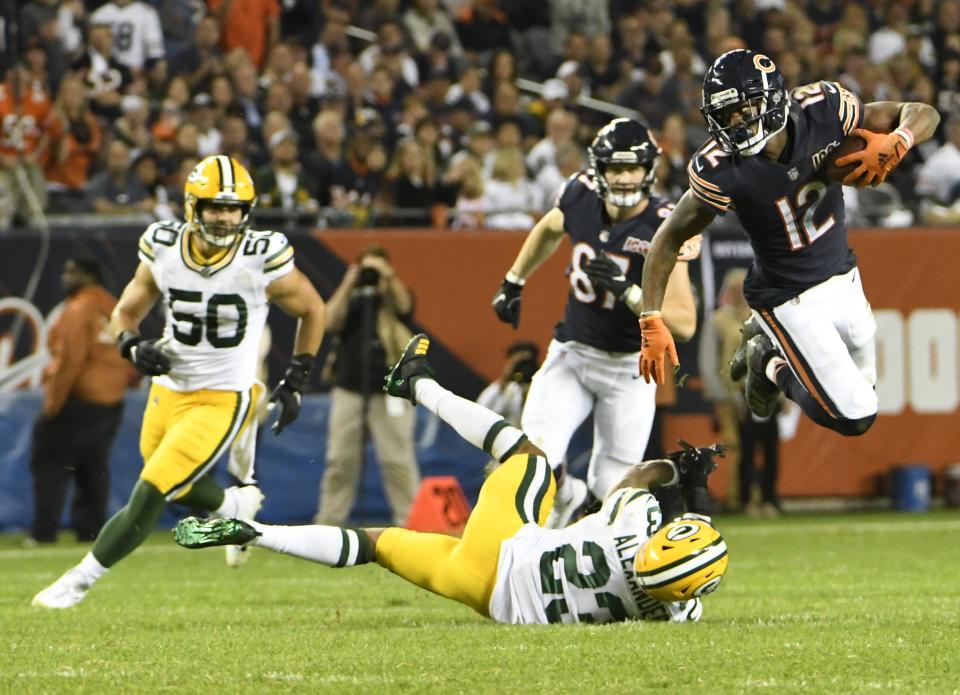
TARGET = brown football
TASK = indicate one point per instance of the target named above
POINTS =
(849, 145)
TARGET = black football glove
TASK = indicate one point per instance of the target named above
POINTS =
(506, 302)
(607, 275)
(146, 355)
(287, 393)
(694, 465)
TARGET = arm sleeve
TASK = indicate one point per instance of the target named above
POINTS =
(705, 184)
(848, 106)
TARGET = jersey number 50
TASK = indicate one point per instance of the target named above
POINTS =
(188, 327)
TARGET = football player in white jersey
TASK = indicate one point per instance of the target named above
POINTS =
(616, 564)
(216, 279)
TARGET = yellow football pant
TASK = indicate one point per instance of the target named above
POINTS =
(184, 434)
(519, 492)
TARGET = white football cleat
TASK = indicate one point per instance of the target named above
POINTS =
(570, 498)
(250, 499)
(67, 591)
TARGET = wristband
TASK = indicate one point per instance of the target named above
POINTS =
(515, 279)
(906, 134)
(126, 341)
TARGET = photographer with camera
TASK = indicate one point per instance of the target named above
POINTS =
(369, 315)
(506, 395)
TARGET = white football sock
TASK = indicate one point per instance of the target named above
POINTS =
(90, 568)
(329, 545)
(478, 425)
(230, 506)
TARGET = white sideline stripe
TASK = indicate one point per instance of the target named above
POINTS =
(902, 526)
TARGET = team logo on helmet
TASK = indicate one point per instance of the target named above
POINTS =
(683, 560)
(748, 84)
(218, 180)
(625, 142)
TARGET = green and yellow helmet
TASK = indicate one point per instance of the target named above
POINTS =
(218, 180)
(685, 559)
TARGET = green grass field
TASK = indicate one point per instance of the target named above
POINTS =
(820, 604)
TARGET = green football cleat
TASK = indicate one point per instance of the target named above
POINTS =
(411, 366)
(193, 532)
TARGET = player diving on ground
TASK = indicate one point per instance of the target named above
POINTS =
(617, 564)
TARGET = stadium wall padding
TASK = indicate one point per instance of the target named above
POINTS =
(910, 278)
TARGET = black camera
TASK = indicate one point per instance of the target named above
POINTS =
(368, 276)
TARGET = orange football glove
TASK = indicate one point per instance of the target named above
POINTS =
(656, 345)
(883, 153)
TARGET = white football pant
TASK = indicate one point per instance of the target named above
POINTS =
(575, 379)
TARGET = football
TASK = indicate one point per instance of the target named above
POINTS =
(851, 144)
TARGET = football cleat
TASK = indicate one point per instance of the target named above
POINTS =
(570, 498)
(685, 559)
(411, 366)
(738, 365)
(762, 394)
(249, 503)
(67, 591)
(194, 532)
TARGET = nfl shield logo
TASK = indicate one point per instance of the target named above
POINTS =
(793, 174)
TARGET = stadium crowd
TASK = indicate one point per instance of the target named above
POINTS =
(417, 112)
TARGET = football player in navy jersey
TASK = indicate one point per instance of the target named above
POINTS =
(811, 333)
(591, 364)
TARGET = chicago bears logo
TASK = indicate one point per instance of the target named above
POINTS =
(763, 63)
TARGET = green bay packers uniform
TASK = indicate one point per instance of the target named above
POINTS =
(506, 566)
(215, 315)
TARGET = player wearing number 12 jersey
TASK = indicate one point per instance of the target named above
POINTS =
(610, 216)
(216, 279)
(616, 564)
(811, 333)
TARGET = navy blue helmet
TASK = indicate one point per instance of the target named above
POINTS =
(748, 83)
(623, 141)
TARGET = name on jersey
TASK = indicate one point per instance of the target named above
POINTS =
(649, 607)
(634, 245)
(818, 157)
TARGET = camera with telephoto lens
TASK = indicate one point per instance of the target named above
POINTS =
(368, 276)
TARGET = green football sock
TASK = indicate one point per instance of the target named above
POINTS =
(130, 526)
(205, 494)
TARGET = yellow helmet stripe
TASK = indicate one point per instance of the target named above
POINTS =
(228, 180)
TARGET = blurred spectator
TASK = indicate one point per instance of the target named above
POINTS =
(466, 177)
(603, 72)
(131, 127)
(201, 59)
(105, 77)
(284, 183)
(250, 25)
(672, 176)
(305, 106)
(507, 108)
(425, 20)
(561, 126)
(547, 184)
(389, 47)
(137, 35)
(586, 18)
(202, 115)
(83, 387)
(247, 95)
(510, 195)
(116, 191)
(481, 27)
(655, 96)
(554, 95)
(222, 97)
(366, 160)
(326, 160)
(187, 142)
(939, 175)
(412, 184)
(301, 21)
(468, 87)
(146, 170)
(25, 122)
(235, 141)
(279, 65)
(503, 68)
(75, 141)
